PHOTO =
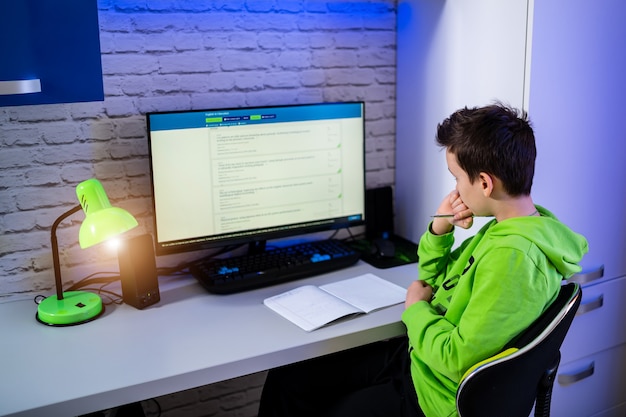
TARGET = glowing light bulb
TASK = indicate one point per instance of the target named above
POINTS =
(114, 243)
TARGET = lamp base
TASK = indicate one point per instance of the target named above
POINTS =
(76, 307)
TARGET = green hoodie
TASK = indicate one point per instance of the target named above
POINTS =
(486, 292)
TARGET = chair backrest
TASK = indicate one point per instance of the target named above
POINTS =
(509, 384)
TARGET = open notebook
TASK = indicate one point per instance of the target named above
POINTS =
(312, 307)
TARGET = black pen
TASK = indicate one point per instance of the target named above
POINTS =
(452, 215)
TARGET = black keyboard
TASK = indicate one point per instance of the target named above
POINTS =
(241, 273)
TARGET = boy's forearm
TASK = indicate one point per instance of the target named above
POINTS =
(433, 252)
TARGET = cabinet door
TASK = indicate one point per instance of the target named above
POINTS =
(590, 385)
(598, 324)
(49, 52)
(577, 107)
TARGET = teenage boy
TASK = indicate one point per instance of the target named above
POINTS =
(468, 302)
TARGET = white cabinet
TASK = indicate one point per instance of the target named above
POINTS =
(577, 109)
(595, 327)
(456, 53)
(600, 393)
(591, 378)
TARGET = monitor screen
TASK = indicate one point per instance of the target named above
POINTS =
(243, 175)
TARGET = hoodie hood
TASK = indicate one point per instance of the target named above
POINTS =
(563, 247)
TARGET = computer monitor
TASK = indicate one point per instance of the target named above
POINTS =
(247, 175)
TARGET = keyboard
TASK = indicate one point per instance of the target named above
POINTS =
(246, 272)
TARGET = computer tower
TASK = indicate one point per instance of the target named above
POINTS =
(140, 285)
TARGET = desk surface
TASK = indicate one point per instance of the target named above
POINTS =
(189, 339)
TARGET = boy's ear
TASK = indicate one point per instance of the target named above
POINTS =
(486, 183)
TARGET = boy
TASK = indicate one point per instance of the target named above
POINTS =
(468, 302)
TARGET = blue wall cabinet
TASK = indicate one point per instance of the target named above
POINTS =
(49, 52)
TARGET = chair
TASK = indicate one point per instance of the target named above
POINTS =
(522, 375)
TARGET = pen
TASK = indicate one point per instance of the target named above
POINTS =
(452, 215)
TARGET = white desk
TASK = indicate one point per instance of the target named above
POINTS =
(189, 339)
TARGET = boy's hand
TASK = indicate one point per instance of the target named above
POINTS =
(452, 204)
(418, 291)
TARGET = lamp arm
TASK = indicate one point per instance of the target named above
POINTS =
(55, 250)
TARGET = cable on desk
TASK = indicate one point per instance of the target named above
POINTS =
(114, 298)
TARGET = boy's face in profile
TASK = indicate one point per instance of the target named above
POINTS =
(471, 194)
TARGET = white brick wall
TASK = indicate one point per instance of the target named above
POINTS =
(167, 55)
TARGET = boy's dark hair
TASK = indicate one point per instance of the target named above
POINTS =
(495, 139)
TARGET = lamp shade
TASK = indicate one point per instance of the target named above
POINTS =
(102, 221)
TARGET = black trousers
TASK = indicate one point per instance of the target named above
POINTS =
(368, 381)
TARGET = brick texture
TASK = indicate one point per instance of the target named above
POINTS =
(175, 55)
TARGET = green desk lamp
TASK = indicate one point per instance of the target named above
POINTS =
(102, 221)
